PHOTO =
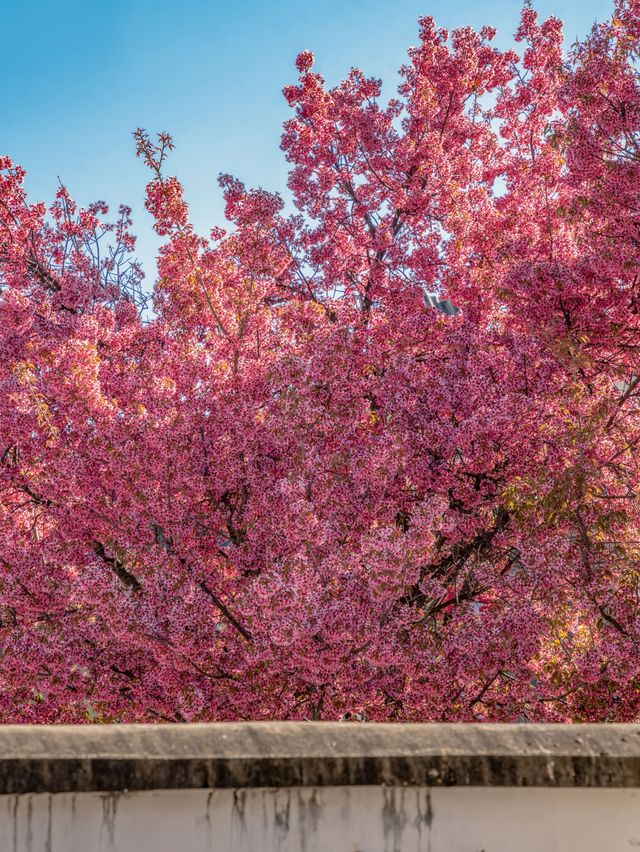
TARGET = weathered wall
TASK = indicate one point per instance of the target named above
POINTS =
(320, 788)
(325, 819)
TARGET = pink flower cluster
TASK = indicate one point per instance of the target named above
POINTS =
(298, 489)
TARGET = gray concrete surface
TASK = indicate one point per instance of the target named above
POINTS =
(112, 758)
(325, 819)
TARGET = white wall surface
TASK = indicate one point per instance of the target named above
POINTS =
(325, 819)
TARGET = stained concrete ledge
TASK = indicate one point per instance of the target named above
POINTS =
(85, 758)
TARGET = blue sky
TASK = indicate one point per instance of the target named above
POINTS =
(79, 77)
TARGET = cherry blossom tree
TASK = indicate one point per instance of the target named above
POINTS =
(298, 489)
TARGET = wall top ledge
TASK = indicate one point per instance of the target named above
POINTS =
(83, 758)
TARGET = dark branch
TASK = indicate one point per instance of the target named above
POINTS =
(226, 612)
(117, 567)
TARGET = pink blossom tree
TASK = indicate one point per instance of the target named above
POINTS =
(297, 489)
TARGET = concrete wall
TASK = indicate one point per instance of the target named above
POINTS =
(356, 788)
(325, 819)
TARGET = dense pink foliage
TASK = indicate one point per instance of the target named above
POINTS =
(297, 490)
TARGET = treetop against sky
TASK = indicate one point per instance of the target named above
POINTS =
(81, 76)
